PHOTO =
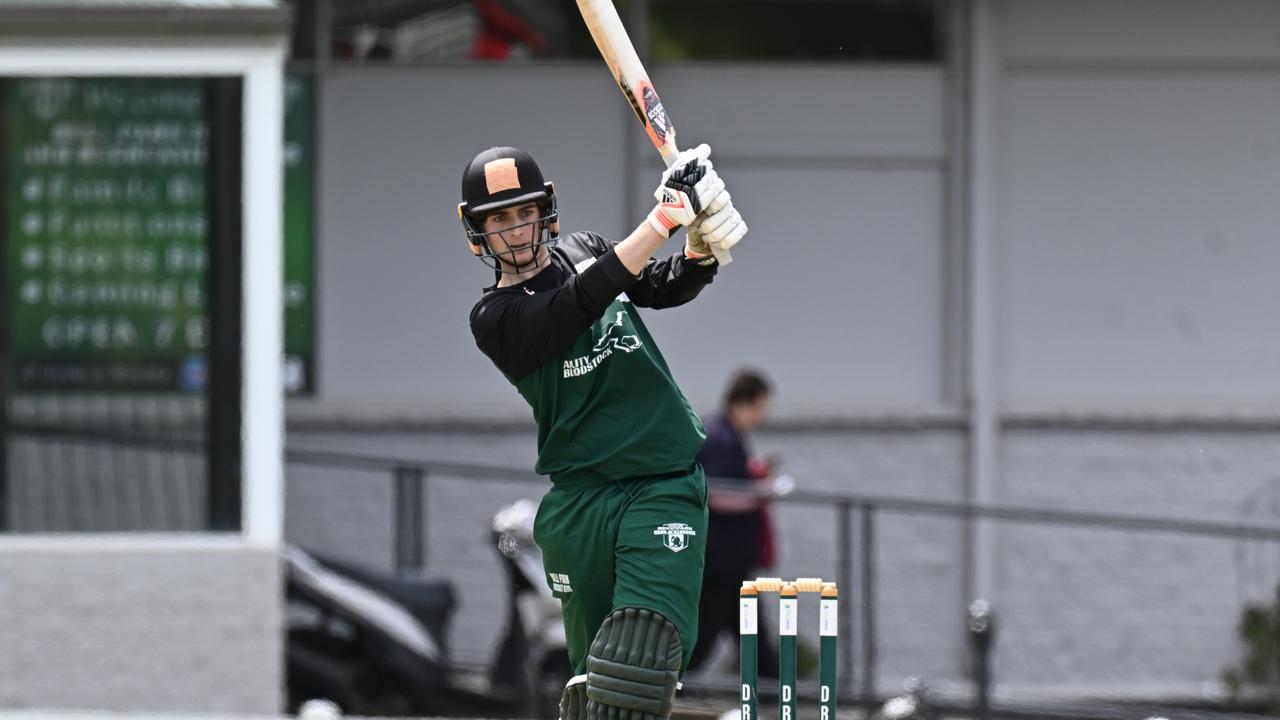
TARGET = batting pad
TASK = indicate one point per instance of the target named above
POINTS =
(633, 667)
(574, 700)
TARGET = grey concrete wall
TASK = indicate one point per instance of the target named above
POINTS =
(396, 281)
(858, 164)
(1143, 30)
(1115, 611)
(1134, 278)
(1134, 224)
(140, 626)
(1137, 237)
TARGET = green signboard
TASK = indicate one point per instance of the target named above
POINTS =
(299, 233)
(107, 223)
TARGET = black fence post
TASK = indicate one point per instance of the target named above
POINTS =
(410, 515)
(982, 633)
(844, 580)
(868, 582)
(225, 286)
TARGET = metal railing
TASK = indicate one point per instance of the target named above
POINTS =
(411, 480)
(103, 479)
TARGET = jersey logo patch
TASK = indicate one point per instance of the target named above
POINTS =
(674, 535)
(613, 337)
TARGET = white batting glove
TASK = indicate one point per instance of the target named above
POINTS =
(695, 245)
(723, 229)
(717, 203)
(688, 186)
(700, 154)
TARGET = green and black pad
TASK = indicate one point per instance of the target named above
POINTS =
(633, 667)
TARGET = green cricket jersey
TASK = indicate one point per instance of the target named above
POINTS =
(572, 342)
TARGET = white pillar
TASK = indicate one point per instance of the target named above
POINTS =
(262, 430)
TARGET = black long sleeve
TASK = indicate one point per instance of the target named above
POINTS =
(522, 326)
(661, 284)
(671, 282)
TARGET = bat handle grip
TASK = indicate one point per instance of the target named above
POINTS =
(722, 256)
(669, 151)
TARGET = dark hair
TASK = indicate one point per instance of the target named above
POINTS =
(746, 386)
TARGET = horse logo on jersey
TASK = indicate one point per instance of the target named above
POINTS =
(613, 337)
(675, 535)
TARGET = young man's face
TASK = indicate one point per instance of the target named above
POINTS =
(748, 414)
(514, 229)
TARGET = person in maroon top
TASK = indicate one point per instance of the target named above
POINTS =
(738, 537)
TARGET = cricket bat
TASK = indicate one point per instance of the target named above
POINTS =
(620, 55)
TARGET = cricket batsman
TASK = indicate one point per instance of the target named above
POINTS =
(623, 527)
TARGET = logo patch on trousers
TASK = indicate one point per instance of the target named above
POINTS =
(675, 535)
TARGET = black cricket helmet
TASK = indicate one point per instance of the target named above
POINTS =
(504, 177)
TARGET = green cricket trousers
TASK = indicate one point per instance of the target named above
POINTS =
(609, 544)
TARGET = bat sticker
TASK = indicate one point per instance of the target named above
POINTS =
(656, 114)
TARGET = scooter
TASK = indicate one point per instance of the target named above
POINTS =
(534, 647)
(375, 644)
